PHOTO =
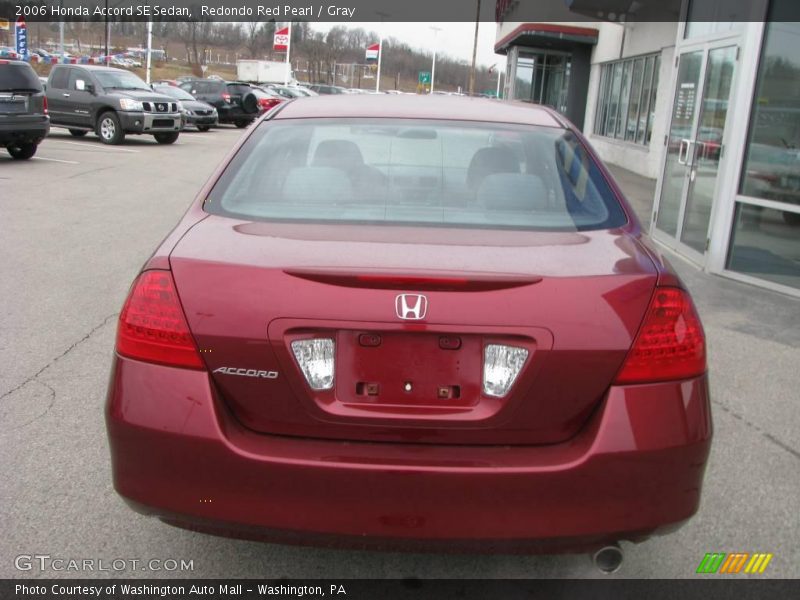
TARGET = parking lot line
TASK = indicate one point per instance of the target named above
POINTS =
(92, 147)
(58, 160)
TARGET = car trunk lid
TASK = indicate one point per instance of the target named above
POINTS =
(572, 300)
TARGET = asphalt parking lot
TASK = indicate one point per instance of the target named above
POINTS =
(77, 223)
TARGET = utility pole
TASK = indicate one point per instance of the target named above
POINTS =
(436, 31)
(474, 50)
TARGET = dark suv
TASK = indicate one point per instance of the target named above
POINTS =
(235, 101)
(23, 109)
(111, 102)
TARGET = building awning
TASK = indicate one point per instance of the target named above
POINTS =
(547, 35)
(627, 10)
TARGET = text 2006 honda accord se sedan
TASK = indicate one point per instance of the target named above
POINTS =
(411, 322)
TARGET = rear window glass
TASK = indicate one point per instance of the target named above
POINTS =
(416, 172)
(19, 77)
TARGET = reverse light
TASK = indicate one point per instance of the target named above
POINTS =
(670, 343)
(315, 358)
(152, 326)
(226, 97)
(501, 366)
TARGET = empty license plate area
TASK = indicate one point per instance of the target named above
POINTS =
(408, 369)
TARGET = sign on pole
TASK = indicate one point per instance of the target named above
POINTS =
(424, 77)
(280, 42)
(21, 31)
(372, 52)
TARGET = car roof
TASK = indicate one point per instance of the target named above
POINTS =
(94, 67)
(451, 108)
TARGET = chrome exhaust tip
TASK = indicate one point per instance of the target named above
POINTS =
(608, 559)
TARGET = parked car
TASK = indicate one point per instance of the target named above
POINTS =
(111, 102)
(235, 101)
(24, 122)
(380, 325)
(195, 113)
(323, 89)
(9, 53)
(267, 98)
(289, 91)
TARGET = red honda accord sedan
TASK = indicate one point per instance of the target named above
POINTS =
(411, 322)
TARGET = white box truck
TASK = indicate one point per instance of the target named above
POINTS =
(263, 71)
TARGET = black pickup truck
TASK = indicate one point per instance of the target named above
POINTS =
(111, 102)
(23, 109)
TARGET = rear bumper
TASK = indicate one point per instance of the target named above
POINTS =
(234, 114)
(25, 129)
(634, 470)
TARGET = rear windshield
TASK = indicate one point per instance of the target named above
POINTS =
(238, 88)
(437, 173)
(19, 78)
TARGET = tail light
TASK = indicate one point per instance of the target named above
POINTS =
(152, 326)
(670, 343)
(315, 357)
(501, 365)
(226, 97)
(267, 103)
(44, 104)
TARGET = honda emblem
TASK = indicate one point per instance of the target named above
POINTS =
(411, 307)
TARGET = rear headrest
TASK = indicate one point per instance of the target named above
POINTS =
(317, 185)
(491, 160)
(513, 191)
(341, 154)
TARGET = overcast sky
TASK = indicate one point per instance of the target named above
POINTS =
(454, 39)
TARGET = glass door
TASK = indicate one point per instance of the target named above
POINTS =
(695, 146)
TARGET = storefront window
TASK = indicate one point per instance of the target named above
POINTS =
(766, 239)
(766, 244)
(708, 17)
(772, 164)
(627, 99)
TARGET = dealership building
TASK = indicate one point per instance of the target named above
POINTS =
(701, 95)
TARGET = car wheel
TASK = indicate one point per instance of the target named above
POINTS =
(166, 138)
(242, 124)
(78, 132)
(203, 127)
(21, 150)
(109, 129)
(250, 103)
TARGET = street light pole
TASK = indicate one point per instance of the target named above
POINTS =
(149, 46)
(436, 31)
(108, 33)
(61, 32)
